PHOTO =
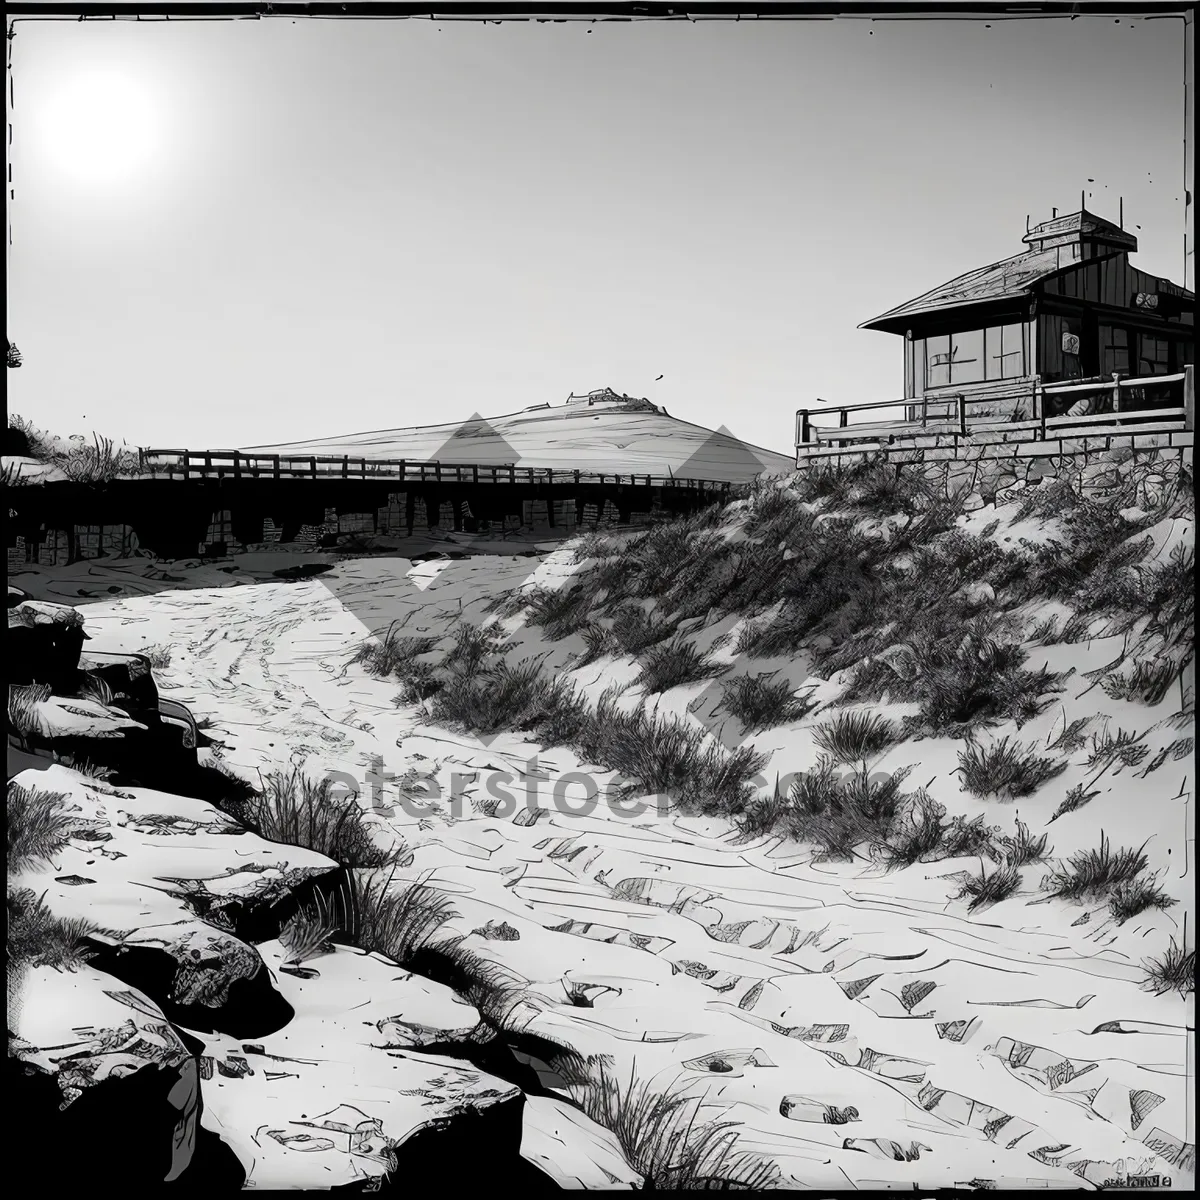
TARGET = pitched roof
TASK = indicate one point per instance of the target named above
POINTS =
(1009, 277)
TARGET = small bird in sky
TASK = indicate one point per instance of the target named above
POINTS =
(657, 378)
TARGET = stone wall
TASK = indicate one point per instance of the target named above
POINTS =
(986, 465)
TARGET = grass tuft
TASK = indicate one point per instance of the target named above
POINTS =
(1006, 769)
(762, 702)
(39, 825)
(662, 1135)
(854, 737)
(1096, 874)
(1173, 971)
(299, 811)
(673, 664)
(990, 887)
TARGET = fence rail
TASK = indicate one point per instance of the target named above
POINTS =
(234, 464)
(1153, 404)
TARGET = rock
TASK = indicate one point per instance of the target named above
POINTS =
(100, 1068)
(332, 1096)
(572, 1149)
(1011, 492)
(151, 887)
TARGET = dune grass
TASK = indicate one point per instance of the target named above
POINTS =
(37, 938)
(39, 825)
(664, 1137)
(855, 737)
(1005, 769)
(986, 887)
(1096, 874)
(1172, 971)
(298, 810)
(761, 702)
(673, 664)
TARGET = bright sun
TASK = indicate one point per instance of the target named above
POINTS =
(100, 127)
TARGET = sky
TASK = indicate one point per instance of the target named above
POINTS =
(229, 233)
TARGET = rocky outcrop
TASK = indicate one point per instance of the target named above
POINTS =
(96, 1067)
(345, 1093)
(163, 881)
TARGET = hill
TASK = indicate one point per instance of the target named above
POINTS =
(600, 432)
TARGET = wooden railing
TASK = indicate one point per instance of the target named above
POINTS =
(235, 464)
(1153, 404)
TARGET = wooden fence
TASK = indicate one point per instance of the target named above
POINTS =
(1156, 404)
(235, 464)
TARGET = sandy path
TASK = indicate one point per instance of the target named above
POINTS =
(694, 946)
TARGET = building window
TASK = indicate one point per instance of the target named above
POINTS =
(1114, 350)
(937, 361)
(1154, 355)
(950, 359)
(1004, 351)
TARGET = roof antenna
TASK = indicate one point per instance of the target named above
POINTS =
(1082, 200)
(1026, 222)
(1122, 211)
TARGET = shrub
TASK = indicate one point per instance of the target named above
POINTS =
(763, 702)
(852, 737)
(1096, 874)
(39, 825)
(598, 643)
(1147, 682)
(635, 630)
(841, 814)
(37, 938)
(916, 834)
(990, 887)
(393, 654)
(562, 611)
(299, 811)
(979, 685)
(1173, 971)
(1133, 896)
(663, 1137)
(1023, 848)
(308, 933)
(664, 756)
(23, 700)
(520, 697)
(1076, 798)
(673, 664)
(971, 839)
(397, 923)
(1123, 750)
(1005, 769)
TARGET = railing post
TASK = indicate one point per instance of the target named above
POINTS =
(186, 465)
(1189, 397)
(312, 466)
(1116, 392)
(961, 405)
(924, 410)
(803, 428)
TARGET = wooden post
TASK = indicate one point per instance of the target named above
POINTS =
(275, 464)
(207, 463)
(1189, 397)
(345, 466)
(237, 466)
(1039, 401)
(312, 466)
(961, 404)
(1116, 392)
(803, 428)
(186, 465)
(924, 410)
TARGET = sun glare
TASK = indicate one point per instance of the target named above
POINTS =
(100, 127)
